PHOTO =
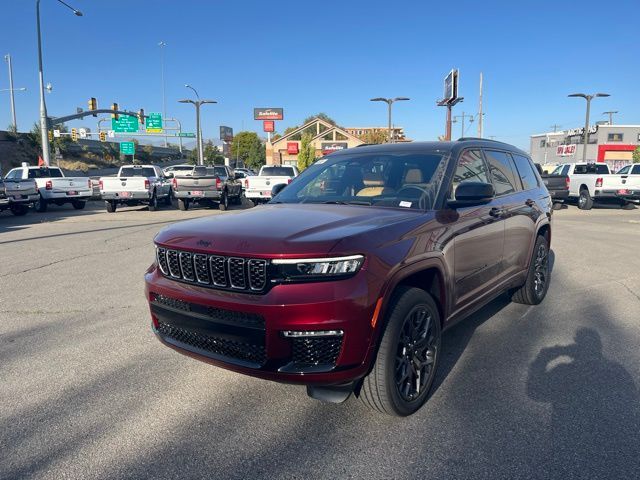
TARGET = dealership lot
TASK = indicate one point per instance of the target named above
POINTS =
(86, 391)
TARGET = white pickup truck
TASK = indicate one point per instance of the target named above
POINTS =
(54, 187)
(257, 188)
(586, 182)
(135, 185)
(625, 184)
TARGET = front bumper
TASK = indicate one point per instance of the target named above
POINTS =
(247, 333)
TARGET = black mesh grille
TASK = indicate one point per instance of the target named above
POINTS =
(218, 270)
(201, 268)
(236, 273)
(187, 266)
(171, 302)
(162, 260)
(257, 274)
(315, 351)
(220, 346)
(173, 263)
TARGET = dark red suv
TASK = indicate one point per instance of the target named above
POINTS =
(345, 281)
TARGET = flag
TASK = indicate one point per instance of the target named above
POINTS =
(40, 161)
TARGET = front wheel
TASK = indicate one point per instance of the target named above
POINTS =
(19, 210)
(585, 202)
(405, 367)
(535, 287)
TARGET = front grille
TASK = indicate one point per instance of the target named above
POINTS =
(214, 271)
(308, 352)
(248, 352)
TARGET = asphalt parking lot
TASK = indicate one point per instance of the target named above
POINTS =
(86, 391)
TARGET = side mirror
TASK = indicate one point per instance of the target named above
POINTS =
(276, 189)
(469, 194)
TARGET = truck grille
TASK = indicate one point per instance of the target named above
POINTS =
(214, 271)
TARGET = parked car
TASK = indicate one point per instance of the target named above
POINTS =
(258, 188)
(207, 185)
(17, 194)
(136, 185)
(588, 182)
(345, 281)
(558, 186)
(54, 187)
(625, 184)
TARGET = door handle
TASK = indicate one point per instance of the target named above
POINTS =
(496, 212)
(529, 203)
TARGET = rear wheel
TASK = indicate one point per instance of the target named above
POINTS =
(41, 204)
(535, 287)
(19, 210)
(405, 367)
(183, 204)
(79, 204)
(224, 201)
(585, 202)
(111, 205)
(557, 206)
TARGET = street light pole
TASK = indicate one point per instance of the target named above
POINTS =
(198, 103)
(43, 107)
(389, 102)
(161, 44)
(7, 57)
(588, 98)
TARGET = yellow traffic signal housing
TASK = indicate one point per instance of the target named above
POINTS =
(114, 107)
(93, 105)
(50, 135)
(103, 136)
(74, 134)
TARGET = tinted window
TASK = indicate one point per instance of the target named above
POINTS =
(471, 167)
(14, 175)
(525, 170)
(590, 168)
(137, 172)
(501, 172)
(45, 172)
(624, 170)
(636, 170)
(278, 171)
(220, 171)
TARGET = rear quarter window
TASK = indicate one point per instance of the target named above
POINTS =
(526, 172)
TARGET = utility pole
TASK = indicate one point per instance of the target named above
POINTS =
(198, 103)
(462, 117)
(7, 57)
(610, 115)
(161, 44)
(555, 127)
(480, 114)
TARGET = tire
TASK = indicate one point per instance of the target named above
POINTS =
(167, 200)
(79, 204)
(224, 202)
(111, 205)
(380, 390)
(153, 203)
(532, 292)
(19, 210)
(41, 204)
(183, 204)
(557, 206)
(585, 202)
(628, 206)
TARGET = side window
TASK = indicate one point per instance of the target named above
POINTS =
(13, 175)
(501, 172)
(565, 170)
(470, 167)
(636, 170)
(527, 175)
(624, 170)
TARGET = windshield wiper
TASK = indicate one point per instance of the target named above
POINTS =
(342, 202)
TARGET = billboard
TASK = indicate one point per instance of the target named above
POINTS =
(226, 134)
(268, 113)
(566, 150)
(268, 126)
(330, 147)
(451, 86)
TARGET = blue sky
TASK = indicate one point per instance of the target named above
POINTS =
(287, 54)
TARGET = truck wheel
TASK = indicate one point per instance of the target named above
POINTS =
(535, 287)
(153, 203)
(183, 204)
(78, 204)
(585, 202)
(167, 200)
(111, 205)
(408, 356)
(19, 210)
(41, 204)
(224, 201)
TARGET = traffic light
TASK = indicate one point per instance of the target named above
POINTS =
(141, 116)
(93, 105)
(74, 134)
(51, 135)
(103, 136)
(114, 107)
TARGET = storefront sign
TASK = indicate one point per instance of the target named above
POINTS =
(580, 131)
(268, 113)
(268, 125)
(566, 150)
(333, 147)
(292, 148)
(226, 134)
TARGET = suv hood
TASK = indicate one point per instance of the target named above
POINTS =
(273, 230)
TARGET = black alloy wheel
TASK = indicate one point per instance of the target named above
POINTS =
(540, 270)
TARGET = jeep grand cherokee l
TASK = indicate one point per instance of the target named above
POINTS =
(345, 281)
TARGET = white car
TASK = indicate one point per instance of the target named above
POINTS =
(135, 185)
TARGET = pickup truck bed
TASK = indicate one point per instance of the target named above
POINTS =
(557, 185)
(17, 194)
(211, 186)
(135, 185)
(258, 188)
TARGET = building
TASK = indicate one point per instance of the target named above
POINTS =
(326, 138)
(613, 144)
(396, 132)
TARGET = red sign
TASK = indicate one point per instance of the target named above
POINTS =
(292, 148)
(566, 150)
(268, 125)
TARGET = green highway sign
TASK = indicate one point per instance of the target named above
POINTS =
(154, 123)
(125, 124)
(188, 135)
(127, 148)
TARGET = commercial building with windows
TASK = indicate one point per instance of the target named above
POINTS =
(326, 138)
(396, 132)
(613, 144)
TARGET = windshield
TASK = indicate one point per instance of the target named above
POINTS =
(137, 172)
(393, 180)
(45, 172)
(278, 171)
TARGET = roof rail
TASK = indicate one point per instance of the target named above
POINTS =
(462, 139)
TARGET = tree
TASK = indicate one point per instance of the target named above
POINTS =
(212, 156)
(246, 146)
(377, 136)
(636, 155)
(321, 116)
(307, 153)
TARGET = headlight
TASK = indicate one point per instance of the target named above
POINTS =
(318, 268)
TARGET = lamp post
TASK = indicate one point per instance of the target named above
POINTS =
(43, 107)
(14, 121)
(162, 44)
(588, 98)
(197, 103)
(389, 102)
(610, 113)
